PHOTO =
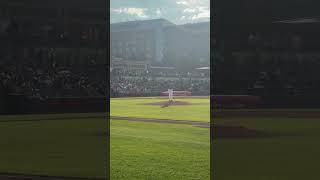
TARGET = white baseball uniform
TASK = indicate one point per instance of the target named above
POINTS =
(170, 92)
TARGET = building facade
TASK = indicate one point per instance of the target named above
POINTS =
(151, 41)
(71, 34)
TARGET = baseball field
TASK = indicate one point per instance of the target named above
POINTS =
(148, 141)
(285, 146)
(153, 140)
(62, 145)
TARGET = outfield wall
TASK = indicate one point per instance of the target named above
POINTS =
(248, 101)
(20, 104)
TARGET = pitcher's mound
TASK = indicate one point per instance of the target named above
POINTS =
(168, 103)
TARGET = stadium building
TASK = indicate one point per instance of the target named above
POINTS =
(156, 42)
(149, 57)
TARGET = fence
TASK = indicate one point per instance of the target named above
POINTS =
(20, 104)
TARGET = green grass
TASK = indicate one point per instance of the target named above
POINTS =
(134, 107)
(159, 151)
(74, 145)
(292, 154)
(72, 148)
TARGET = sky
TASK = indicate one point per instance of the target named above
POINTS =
(176, 11)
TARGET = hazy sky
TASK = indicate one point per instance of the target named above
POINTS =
(176, 11)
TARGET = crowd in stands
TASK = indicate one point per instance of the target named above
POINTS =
(43, 80)
(150, 82)
(268, 65)
(33, 77)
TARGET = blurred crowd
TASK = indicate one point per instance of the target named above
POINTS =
(50, 80)
(148, 82)
(267, 65)
(44, 80)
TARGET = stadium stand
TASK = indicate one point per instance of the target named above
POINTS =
(151, 56)
(148, 83)
(52, 49)
(275, 59)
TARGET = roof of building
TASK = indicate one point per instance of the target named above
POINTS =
(300, 20)
(140, 25)
(159, 23)
(79, 4)
(263, 11)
